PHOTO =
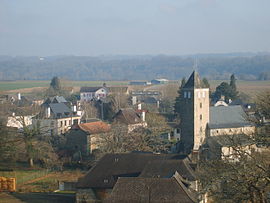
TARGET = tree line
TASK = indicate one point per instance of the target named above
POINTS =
(134, 67)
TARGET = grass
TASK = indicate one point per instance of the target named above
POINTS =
(38, 180)
(23, 176)
(14, 85)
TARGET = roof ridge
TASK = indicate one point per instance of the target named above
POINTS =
(177, 177)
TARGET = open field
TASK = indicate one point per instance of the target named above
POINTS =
(40, 180)
(252, 88)
(22, 84)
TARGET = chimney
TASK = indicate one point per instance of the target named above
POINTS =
(222, 98)
(143, 116)
(48, 112)
(139, 106)
(74, 108)
(19, 96)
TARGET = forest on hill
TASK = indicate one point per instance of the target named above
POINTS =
(143, 67)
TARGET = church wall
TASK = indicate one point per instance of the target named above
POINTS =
(248, 130)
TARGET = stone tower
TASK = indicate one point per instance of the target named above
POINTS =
(194, 114)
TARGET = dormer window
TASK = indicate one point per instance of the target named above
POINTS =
(189, 95)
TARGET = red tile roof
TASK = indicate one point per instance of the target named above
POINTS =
(95, 127)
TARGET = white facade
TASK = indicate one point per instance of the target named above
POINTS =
(99, 94)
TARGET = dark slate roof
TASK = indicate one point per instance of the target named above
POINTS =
(167, 168)
(150, 190)
(111, 166)
(60, 99)
(127, 116)
(231, 140)
(150, 100)
(227, 117)
(193, 81)
(55, 99)
(90, 89)
(60, 109)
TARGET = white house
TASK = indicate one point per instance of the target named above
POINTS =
(90, 93)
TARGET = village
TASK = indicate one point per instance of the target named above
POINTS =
(135, 143)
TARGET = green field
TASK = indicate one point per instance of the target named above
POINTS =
(251, 87)
(13, 85)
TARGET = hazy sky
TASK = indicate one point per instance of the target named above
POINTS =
(95, 27)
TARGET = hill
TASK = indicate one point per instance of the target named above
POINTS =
(145, 67)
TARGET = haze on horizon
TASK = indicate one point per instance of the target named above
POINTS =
(113, 27)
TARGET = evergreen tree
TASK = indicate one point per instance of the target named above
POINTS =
(55, 88)
(205, 83)
(234, 92)
(177, 104)
(55, 84)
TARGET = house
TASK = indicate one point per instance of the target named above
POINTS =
(159, 81)
(99, 181)
(56, 118)
(19, 121)
(226, 146)
(89, 93)
(151, 190)
(83, 137)
(130, 118)
(148, 97)
(54, 100)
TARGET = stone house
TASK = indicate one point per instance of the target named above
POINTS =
(99, 181)
(227, 146)
(130, 118)
(83, 137)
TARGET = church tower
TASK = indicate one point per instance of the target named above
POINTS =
(194, 113)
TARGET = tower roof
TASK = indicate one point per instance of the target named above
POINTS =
(193, 81)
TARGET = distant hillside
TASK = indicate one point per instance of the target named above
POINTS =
(145, 67)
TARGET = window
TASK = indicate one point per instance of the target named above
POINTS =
(203, 94)
(201, 117)
(61, 123)
(69, 122)
(199, 94)
(106, 181)
(65, 123)
(177, 130)
(200, 105)
(185, 94)
(189, 95)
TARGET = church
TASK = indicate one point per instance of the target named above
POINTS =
(205, 127)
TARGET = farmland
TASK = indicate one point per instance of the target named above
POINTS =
(251, 88)
(23, 84)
